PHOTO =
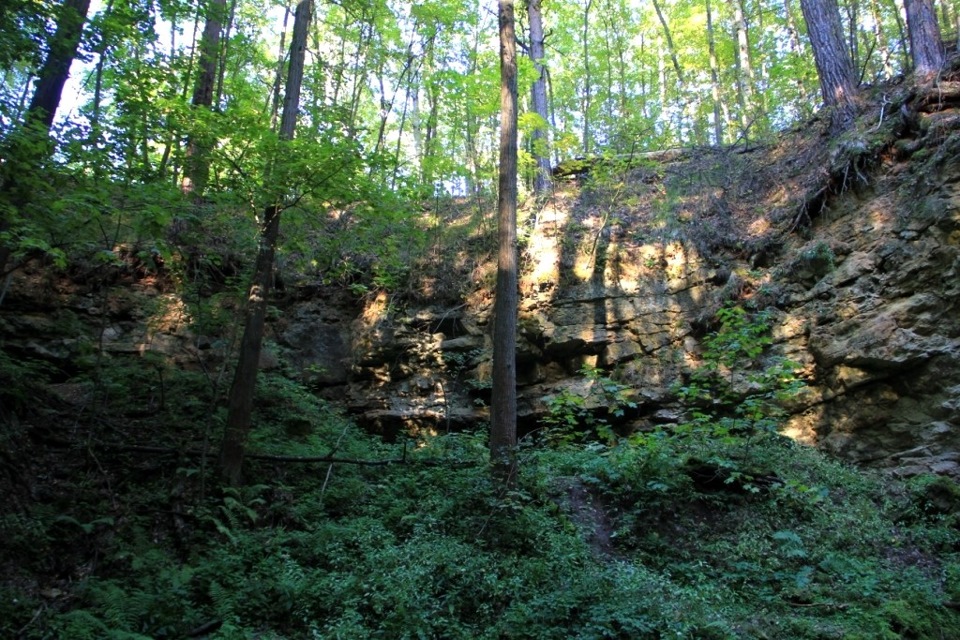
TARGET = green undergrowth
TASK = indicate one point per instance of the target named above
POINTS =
(132, 545)
(118, 527)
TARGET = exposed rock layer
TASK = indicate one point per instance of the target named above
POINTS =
(854, 246)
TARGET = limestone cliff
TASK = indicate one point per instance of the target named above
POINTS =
(852, 244)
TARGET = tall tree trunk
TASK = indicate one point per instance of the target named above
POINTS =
(95, 124)
(21, 153)
(273, 100)
(661, 79)
(360, 68)
(745, 78)
(224, 51)
(196, 170)
(883, 45)
(428, 166)
(852, 9)
(56, 68)
(926, 48)
(538, 98)
(838, 80)
(671, 49)
(798, 57)
(714, 78)
(503, 407)
(900, 15)
(587, 88)
(240, 401)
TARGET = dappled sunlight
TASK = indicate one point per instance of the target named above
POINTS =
(760, 226)
(543, 249)
(167, 327)
(802, 427)
(881, 213)
(376, 308)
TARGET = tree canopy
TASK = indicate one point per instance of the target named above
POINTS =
(414, 85)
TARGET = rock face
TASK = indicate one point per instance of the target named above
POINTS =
(865, 298)
(868, 305)
(859, 267)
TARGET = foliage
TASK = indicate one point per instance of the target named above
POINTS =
(107, 540)
(572, 417)
(738, 391)
(435, 548)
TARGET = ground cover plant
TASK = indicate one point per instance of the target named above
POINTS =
(712, 530)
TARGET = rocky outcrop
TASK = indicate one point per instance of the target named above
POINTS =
(861, 277)
(865, 298)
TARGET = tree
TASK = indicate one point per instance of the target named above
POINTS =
(197, 165)
(745, 77)
(240, 401)
(926, 47)
(838, 79)
(714, 78)
(503, 408)
(56, 68)
(27, 148)
(538, 98)
(587, 78)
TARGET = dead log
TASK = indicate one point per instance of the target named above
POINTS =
(581, 166)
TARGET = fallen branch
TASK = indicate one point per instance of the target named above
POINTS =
(580, 166)
(270, 457)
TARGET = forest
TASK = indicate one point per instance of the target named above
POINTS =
(239, 239)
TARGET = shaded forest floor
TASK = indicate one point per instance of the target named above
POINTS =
(660, 534)
(115, 526)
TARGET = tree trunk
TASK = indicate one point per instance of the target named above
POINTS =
(745, 78)
(240, 402)
(714, 79)
(503, 408)
(852, 9)
(541, 181)
(101, 52)
(798, 58)
(273, 100)
(224, 51)
(838, 81)
(196, 170)
(926, 48)
(883, 46)
(56, 68)
(20, 153)
(899, 15)
(587, 88)
(672, 50)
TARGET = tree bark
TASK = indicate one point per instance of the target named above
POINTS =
(587, 79)
(926, 48)
(503, 409)
(838, 80)
(240, 401)
(745, 78)
(196, 169)
(21, 155)
(900, 16)
(541, 181)
(670, 48)
(714, 78)
(56, 68)
(883, 46)
(224, 51)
